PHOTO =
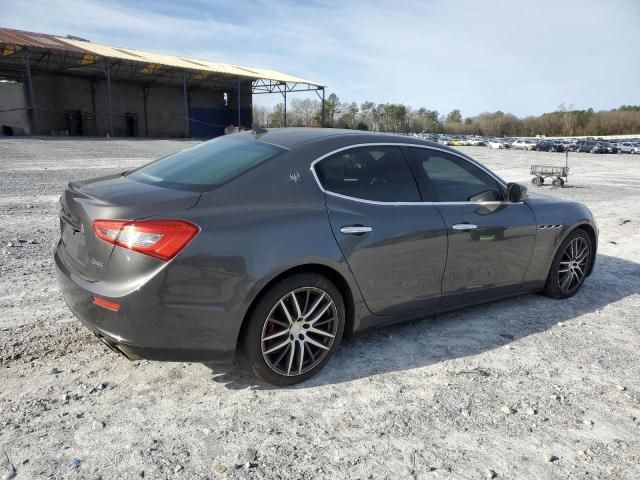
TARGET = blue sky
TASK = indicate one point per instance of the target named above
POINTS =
(524, 57)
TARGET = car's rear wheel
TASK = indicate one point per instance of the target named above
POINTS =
(570, 266)
(295, 329)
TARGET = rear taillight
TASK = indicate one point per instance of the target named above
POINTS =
(162, 239)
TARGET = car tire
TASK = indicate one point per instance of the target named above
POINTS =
(276, 321)
(570, 250)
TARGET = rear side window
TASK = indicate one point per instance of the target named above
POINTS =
(206, 166)
(370, 173)
(447, 178)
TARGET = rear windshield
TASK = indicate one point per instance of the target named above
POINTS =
(206, 166)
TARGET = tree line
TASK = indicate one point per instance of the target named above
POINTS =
(399, 118)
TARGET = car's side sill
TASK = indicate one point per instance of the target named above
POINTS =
(373, 321)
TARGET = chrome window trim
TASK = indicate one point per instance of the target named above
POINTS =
(411, 145)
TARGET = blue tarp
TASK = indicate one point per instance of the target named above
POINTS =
(211, 122)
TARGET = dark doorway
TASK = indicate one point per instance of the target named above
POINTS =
(131, 120)
(74, 122)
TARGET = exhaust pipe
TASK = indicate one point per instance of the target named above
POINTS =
(119, 349)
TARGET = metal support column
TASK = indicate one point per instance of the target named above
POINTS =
(145, 96)
(107, 72)
(94, 86)
(186, 104)
(285, 105)
(322, 124)
(31, 112)
(239, 120)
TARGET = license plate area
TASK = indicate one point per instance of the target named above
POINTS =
(72, 237)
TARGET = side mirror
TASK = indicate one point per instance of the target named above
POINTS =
(516, 192)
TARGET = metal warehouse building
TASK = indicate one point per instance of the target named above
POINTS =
(52, 85)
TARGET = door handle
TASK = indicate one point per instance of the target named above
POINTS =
(464, 226)
(355, 229)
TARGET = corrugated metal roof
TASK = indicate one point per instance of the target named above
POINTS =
(39, 40)
(31, 39)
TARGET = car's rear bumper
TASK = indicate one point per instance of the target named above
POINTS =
(181, 314)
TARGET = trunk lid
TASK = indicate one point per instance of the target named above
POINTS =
(116, 198)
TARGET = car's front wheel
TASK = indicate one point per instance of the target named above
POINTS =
(570, 266)
(295, 329)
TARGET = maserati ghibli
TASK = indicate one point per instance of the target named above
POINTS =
(277, 244)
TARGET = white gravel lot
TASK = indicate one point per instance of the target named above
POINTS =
(526, 388)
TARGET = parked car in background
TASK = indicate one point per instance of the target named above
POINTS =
(611, 147)
(550, 146)
(599, 148)
(585, 145)
(496, 143)
(629, 147)
(524, 144)
(544, 146)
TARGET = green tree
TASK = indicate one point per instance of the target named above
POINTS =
(276, 119)
(332, 108)
(454, 116)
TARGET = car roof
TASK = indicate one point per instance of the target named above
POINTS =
(293, 137)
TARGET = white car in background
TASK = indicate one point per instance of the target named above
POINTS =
(629, 147)
(523, 144)
(495, 143)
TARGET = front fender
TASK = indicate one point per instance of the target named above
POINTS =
(555, 221)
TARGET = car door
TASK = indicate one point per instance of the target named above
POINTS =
(395, 245)
(490, 240)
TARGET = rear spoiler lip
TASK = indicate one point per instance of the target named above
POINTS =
(76, 187)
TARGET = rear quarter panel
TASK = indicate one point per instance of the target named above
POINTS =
(260, 225)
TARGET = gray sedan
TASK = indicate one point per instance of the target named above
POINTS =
(277, 244)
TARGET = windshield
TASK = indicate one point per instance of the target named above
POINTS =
(207, 165)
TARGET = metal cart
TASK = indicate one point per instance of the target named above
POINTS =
(560, 175)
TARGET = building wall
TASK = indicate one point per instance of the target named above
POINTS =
(67, 106)
(13, 97)
(54, 96)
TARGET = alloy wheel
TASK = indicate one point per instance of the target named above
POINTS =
(573, 264)
(299, 331)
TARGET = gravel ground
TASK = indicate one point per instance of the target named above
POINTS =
(522, 388)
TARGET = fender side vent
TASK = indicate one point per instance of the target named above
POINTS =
(549, 227)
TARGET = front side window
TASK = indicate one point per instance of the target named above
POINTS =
(206, 166)
(378, 173)
(446, 178)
